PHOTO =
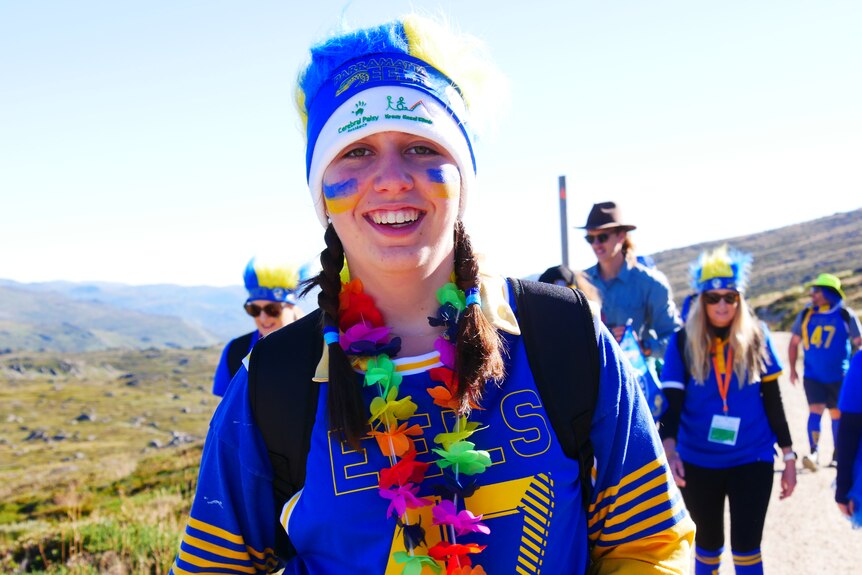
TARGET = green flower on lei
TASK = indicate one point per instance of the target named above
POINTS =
(469, 461)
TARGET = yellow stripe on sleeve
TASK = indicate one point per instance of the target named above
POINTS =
(197, 561)
(608, 538)
(215, 549)
(621, 518)
(228, 536)
(630, 478)
(217, 531)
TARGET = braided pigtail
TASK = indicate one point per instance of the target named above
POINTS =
(344, 399)
(477, 352)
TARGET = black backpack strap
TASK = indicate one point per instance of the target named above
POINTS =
(560, 340)
(236, 352)
(283, 399)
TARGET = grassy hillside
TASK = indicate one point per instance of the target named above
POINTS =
(98, 457)
(783, 258)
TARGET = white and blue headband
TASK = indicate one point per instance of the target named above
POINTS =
(380, 93)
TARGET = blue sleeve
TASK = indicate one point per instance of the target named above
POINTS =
(851, 390)
(673, 372)
(231, 526)
(636, 519)
(664, 320)
(222, 375)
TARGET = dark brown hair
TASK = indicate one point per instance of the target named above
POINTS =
(478, 355)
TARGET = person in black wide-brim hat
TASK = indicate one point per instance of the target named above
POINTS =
(630, 291)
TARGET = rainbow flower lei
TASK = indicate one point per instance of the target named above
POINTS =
(364, 336)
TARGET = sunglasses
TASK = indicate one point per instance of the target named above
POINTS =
(273, 309)
(729, 298)
(601, 238)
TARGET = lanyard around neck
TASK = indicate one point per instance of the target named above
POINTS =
(723, 375)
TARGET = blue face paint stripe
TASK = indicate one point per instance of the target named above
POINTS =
(340, 189)
(443, 175)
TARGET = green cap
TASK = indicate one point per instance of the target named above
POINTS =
(830, 281)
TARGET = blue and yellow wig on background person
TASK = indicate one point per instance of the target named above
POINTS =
(413, 75)
(272, 280)
(721, 268)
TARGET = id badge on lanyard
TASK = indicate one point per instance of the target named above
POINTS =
(724, 429)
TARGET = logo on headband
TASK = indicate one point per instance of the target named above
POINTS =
(400, 106)
(716, 283)
(377, 69)
(360, 108)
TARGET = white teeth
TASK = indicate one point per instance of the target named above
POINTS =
(395, 217)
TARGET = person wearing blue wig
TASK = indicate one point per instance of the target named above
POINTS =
(271, 302)
(427, 446)
(828, 331)
(725, 414)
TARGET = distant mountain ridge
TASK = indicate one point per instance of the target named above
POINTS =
(216, 311)
(45, 320)
(784, 257)
(71, 317)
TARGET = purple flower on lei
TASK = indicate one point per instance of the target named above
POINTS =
(445, 513)
(365, 339)
(403, 497)
(446, 351)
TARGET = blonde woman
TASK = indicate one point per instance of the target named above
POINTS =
(725, 414)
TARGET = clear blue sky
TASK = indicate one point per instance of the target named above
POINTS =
(156, 142)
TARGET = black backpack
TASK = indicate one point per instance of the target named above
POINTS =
(236, 352)
(559, 336)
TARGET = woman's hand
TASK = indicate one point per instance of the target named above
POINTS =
(675, 463)
(846, 509)
(788, 479)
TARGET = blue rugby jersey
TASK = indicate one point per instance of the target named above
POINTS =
(755, 439)
(826, 341)
(530, 496)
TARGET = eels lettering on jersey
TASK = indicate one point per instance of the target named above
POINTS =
(526, 433)
(523, 414)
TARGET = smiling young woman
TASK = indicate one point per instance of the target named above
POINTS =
(427, 437)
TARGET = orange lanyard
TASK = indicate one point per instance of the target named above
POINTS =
(722, 376)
